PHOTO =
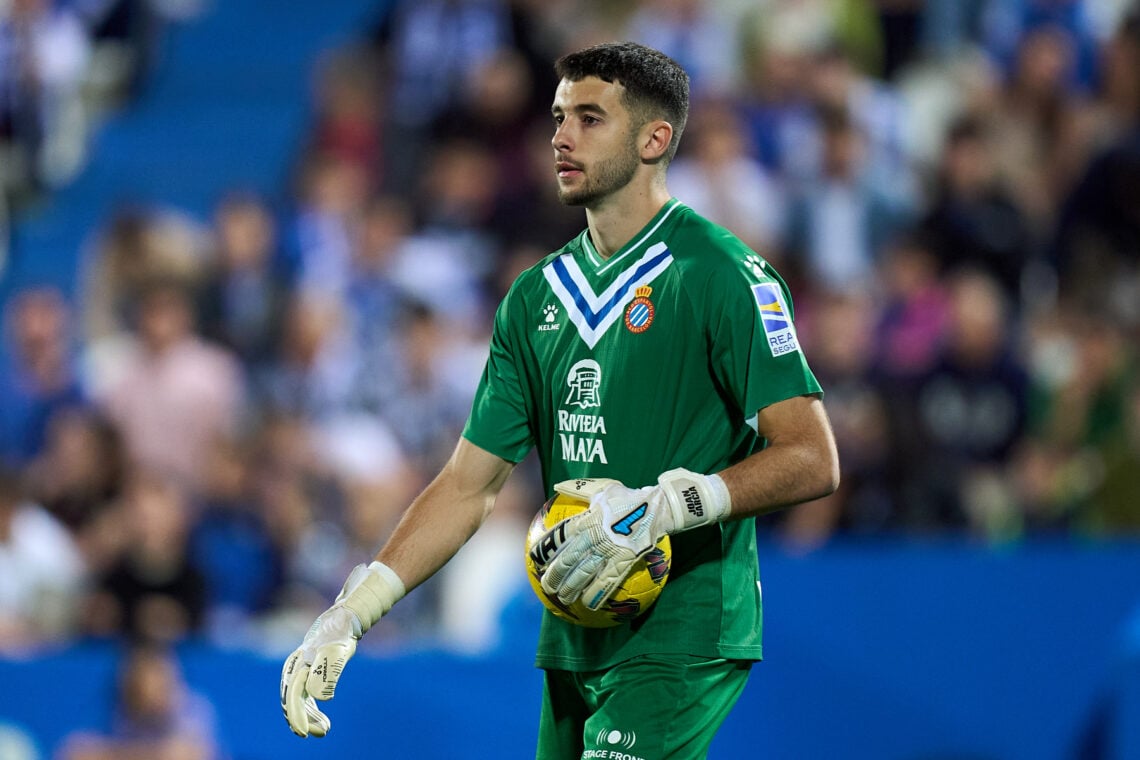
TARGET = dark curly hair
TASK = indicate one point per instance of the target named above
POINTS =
(656, 87)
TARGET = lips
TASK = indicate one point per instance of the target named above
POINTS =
(567, 169)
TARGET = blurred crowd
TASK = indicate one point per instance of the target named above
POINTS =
(233, 411)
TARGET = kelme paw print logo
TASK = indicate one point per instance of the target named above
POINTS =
(549, 314)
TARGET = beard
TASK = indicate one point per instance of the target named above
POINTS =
(611, 175)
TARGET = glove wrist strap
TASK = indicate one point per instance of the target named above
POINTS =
(695, 499)
(370, 592)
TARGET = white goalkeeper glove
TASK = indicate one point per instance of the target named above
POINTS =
(599, 546)
(311, 672)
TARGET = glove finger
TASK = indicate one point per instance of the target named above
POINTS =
(319, 723)
(605, 583)
(546, 548)
(570, 590)
(564, 560)
(584, 488)
(328, 663)
(293, 676)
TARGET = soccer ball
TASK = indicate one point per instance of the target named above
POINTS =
(634, 596)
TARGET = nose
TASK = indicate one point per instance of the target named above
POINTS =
(561, 140)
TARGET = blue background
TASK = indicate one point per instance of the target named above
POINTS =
(879, 650)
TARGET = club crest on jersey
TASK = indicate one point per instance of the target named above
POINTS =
(778, 327)
(639, 313)
(584, 379)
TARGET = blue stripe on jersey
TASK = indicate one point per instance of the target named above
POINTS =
(592, 314)
(593, 319)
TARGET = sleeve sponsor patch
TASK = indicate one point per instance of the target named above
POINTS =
(778, 327)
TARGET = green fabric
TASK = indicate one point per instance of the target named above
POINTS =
(605, 382)
(654, 707)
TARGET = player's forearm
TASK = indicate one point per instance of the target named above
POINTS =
(800, 464)
(445, 515)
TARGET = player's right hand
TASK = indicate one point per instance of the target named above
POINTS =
(312, 671)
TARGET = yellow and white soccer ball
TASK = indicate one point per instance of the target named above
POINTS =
(635, 595)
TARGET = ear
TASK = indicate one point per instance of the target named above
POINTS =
(655, 139)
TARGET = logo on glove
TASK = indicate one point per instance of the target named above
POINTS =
(624, 526)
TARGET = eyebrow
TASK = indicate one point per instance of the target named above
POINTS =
(580, 108)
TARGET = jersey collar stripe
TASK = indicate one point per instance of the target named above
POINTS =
(593, 314)
(672, 205)
(591, 252)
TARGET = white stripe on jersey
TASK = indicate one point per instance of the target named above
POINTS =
(592, 313)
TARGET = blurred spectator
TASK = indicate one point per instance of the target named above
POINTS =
(835, 84)
(231, 547)
(915, 310)
(151, 591)
(348, 96)
(1084, 407)
(972, 219)
(430, 48)
(901, 22)
(316, 371)
(950, 26)
(445, 263)
(432, 387)
(850, 26)
(1008, 23)
(1098, 228)
(698, 34)
(493, 111)
(243, 292)
(43, 51)
(1033, 124)
(138, 246)
(773, 99)
(956, 427)
(331, 196)
(1115, 509)
(529, 215)
(178, 395)
(42, 573)
(841, 219)
(156, 716)
(841, 335)
(38, 379)
(717, 177)
(78, 476)
(375, 300)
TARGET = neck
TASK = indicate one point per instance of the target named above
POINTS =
(614, 220)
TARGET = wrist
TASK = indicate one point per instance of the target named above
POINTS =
(369, 592)
(694, 499)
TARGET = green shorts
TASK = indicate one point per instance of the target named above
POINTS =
(651, 707)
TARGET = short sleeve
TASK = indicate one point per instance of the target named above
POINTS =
(499, 422)
(755, 351)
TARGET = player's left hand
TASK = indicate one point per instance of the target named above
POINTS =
(601, 545)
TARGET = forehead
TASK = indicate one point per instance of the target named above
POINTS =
(589, 91)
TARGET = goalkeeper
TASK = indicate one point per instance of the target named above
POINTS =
(654, 365)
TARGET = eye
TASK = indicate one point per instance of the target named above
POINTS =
(590, 120)
(558, 119)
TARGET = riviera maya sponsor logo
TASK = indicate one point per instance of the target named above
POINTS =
(639, 314)
(584, 379)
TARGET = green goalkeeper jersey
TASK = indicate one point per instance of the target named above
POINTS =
(658, 357)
